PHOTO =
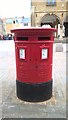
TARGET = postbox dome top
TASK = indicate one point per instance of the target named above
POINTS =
(34, 31)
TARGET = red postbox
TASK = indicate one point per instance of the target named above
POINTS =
(34, 52)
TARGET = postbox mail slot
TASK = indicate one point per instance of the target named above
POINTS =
(43, 38)
(22, 38)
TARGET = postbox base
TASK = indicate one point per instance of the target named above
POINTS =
(34, 92)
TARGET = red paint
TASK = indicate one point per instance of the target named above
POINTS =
(34, 69)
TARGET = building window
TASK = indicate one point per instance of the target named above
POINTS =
(16, 21)
(9, 21)
(25, 24)
(19, 20)
(51, 2)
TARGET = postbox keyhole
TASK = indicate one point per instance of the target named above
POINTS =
(30, 59)
(34, 60)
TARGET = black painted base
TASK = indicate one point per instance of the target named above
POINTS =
(34, 92)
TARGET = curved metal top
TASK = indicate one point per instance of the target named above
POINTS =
(34, 31)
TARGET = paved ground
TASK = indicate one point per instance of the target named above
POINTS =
(12, 107)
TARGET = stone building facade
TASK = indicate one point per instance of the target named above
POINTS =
(52, 12)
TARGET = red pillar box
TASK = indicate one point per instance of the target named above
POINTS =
(34, 52)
